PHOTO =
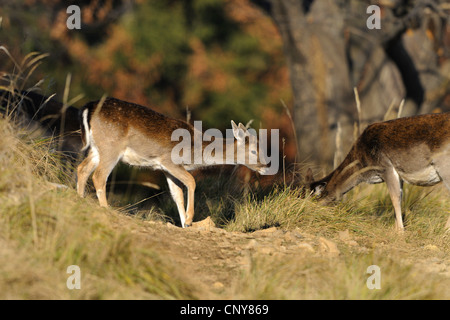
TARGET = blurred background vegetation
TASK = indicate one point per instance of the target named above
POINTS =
(241, 59)
(220, 60)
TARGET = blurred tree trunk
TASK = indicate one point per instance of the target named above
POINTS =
(316, 56)
(330, 50)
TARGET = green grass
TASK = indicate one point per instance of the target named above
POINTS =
(366, 210)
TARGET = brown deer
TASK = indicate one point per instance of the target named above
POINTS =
(116, 130)
(413, 149)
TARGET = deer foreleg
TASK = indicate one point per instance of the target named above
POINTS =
(395, 188)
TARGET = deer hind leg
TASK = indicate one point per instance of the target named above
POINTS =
(85, 169)
(106, 164)
(180, 174)
(176, 191)
(395, 188)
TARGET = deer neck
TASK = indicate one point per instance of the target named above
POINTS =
(220, 151)
(345, 177)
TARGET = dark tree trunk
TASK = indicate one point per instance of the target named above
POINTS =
(329, 51)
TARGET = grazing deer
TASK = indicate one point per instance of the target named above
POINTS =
(117, 130)
(414, 149)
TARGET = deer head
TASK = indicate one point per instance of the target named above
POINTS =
(248, 150)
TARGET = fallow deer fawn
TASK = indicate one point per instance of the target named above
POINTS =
(414, 149)
(118, 130)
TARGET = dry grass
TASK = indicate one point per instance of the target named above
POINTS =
(45, 227)
(43, 230)
(338, 278)
(367, 215)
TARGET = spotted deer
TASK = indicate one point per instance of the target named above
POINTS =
(115, 130)
(413, 149)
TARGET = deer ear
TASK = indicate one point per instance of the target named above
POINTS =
(309, 177)
(238, 132)
(241, 126)
(244, 129)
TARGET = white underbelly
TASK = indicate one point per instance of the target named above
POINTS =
(425, 177)
(132, 158)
